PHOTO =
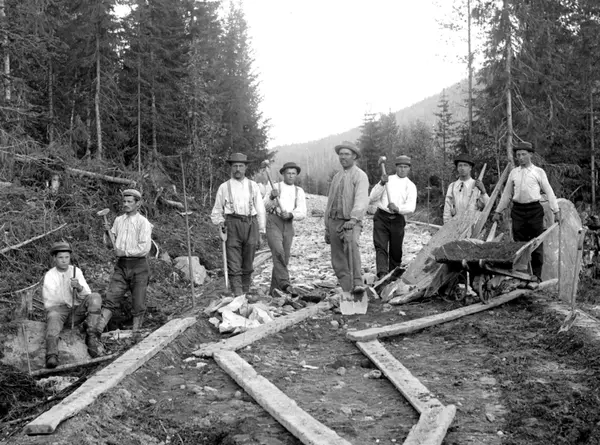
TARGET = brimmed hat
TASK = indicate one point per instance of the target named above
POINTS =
(290, 165)
(238, 157)
(464, 158)
(132, 192)
(350, 146)
(403, 160)
(60, 246)
(523, 146)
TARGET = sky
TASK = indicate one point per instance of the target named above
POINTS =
(322, 64)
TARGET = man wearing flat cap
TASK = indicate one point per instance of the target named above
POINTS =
(395, 197)
(524, 187)
(239, 211)
(285, 203)
(133, 240)
(347, 204)
(460, 191)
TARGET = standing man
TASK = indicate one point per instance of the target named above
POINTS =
(389, 219)
(346, 207)
(132, 233)
(459, 192)
(240, 212)
(284, 204)
(524, 187)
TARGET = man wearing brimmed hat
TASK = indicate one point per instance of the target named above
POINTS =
(240, 212)
(347, 204)
(66, 293)
(393, 204)
(133, 240)
(284, 204)
(524, 186)
(460, 191)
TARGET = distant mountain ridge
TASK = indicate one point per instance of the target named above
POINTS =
(318, 156)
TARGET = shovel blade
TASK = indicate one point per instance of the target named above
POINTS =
(351, 304)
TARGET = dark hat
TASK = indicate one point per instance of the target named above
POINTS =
(402, 160)
(132, 192)
(523, 146)
(289, 165)
(60, 246)
(350, 146)
(464, 158)
(238, 157)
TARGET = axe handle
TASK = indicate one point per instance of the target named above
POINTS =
(110, 234)
(273, 188)
(387, 191)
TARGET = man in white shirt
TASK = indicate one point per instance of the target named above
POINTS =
(389, 219)
(524, 186)
(240, 212)
(284, 204)
(133, 240)
(64, 287)
(459, 192)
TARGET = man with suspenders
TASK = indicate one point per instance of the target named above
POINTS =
(239, 210)
(285, 204)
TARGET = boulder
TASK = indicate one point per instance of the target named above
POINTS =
(198, 271)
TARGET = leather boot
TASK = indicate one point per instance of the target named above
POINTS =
(51, 352)
(92, 339)
(246, 282)
(103, 321)
(137, 325)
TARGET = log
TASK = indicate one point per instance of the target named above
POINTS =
(386, 279)
(261, 257)
(420, 223)
(171, 203)
(30, 240)
(241, 340)
(285, 410)
(425, 322)
(432, 426)
(107, 178)
(68, 366)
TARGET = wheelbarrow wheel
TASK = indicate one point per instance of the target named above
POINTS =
(457, 288)
(483, 290)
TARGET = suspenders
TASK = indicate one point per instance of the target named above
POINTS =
(250, 203)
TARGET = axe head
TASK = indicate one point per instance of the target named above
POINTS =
(103, 212)
(381, 160)
(264, 163)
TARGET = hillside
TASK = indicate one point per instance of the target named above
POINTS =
(318, 157)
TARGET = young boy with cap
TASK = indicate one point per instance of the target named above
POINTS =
(64, 287)
(459, 192)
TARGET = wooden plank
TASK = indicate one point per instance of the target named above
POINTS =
(246, 338)
(410, 387)
(285, 410)
(108, 377)
(492, 202)
(533, 244)
(432, 426)
(421, 223)
(432, 320)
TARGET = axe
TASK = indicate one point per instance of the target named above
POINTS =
(265, 165)
(381, 162)
(111, 235)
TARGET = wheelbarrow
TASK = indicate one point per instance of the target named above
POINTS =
(484, 265)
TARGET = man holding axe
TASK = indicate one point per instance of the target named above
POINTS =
(395, 196)
(131, 234)
(285, 203)
(240, 212)
(459, 192)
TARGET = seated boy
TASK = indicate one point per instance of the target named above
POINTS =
(61, 283)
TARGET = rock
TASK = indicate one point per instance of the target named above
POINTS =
(238, 395)
(233, 322)
(490, 417)
(214, 321)
(216, 304)
(488, 380)
(234, 305)
(335, 324)
(166, 257)
(386, 307)
(369, 279)
(375, 374)
(341, 370)
(346, 410)
(260, 315)
(198, 270)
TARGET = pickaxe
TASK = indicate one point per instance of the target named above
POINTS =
(265, 164)
(103, 213)
(381, 162)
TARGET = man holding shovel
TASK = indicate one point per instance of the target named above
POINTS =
(66, 294)
(132, 235)
(395, 196)
(240, 212)
(459, 192)
(346, 207)
(284, 203)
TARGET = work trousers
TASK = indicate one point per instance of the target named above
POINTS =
(242, 241)
(280, 233)
(528, 223)
(130, 274)
(57, 316)
(388, 236)
(340, 248)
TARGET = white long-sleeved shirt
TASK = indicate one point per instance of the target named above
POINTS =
(458, 196)
(291, 198)
(242, 192)
(57, 290)
(133, 235)
(403, 193)
(525, 185)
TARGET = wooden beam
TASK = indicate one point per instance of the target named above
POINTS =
(432, 426)
(69, 366)
(425, 322)
(108, 377)
(246, 338)
(285, 410)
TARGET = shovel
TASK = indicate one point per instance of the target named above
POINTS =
(573, 315)
(223, 234)
(352, 303)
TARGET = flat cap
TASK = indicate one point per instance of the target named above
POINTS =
(523, 146)
(464, 158)
(60, 246)
(132, 192)
(402, 160)
(350, 146)
(238, 157)
(290, 165)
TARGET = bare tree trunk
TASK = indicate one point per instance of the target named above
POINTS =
(154, 116)
(592, 148)
(50, 103)
(508, 72)
(72, 118)
(470, 67)
(88, 126)
(139, 114)
(100, 151)
(7, 94)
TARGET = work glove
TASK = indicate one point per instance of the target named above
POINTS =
(480, 186)
(393, 208)
(497, 217)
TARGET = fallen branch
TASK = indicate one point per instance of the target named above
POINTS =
(17, 246)
(419, 223)
(177, 204)
(101, 176)
(68, 366)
